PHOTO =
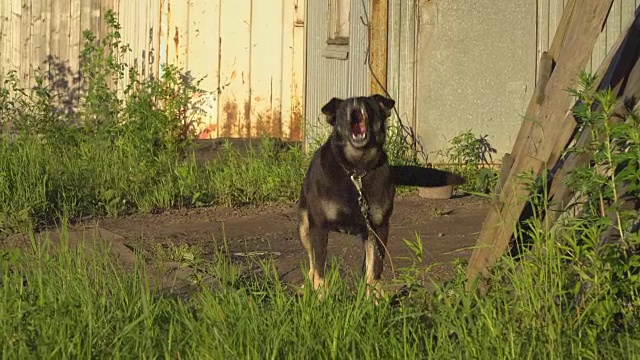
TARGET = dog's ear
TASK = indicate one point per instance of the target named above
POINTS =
(385, 103)
(330, 110)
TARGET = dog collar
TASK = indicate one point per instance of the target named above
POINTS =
(353, 173)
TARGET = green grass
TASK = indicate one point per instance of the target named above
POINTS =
(77, 303)
(569, 295)
(41, 182)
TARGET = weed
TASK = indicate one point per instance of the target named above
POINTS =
(471, 157)
(572, 295)
(124, 149)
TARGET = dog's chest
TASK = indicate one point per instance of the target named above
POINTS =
(347, 214)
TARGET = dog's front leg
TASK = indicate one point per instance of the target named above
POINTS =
(375, 250)
(314, 239)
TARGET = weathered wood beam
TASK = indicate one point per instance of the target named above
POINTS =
(620, 71)
(547, 65)
(537, 148)
(378, 26)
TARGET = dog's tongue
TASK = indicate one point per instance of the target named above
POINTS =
(358, 128)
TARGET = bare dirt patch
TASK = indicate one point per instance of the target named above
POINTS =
(447, 228)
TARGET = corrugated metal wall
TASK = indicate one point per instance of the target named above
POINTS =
(549, 15)
(140, 22)
(421, 91)
(327, 78)
(251, 52)
(402, 58)
(48, 34)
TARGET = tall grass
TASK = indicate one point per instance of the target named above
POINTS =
(41, 182)
(126, 152)
(77, 303)
(112, 153)
(573, 292)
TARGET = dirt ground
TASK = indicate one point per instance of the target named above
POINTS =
(447, 228)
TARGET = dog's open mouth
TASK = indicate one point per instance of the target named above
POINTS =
(358, 125)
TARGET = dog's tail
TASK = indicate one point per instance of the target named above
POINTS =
(424, 177)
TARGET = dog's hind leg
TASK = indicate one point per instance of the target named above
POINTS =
(314, 240)
(375, 250)
(363, 240)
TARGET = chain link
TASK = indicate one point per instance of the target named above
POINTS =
(364, 208)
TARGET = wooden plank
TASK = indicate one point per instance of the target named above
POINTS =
(124, 18)
(553, 53)
(37, 44)
(96, 15)
(75, 38)
(16, 36)
(543, 75)
(298, 75)
(5, 8)
(106, 5)
(85, 18)
(153, 21)
(561, 30)
(25, 44)
(54, 53)
(265, 75)
(141, 30)
(628, 9)
(620, 67)
(144, 38)
(286, 98)
(177, 33)
(163, 35)
(235, 55)
(63, 42)
(46, 28)
(612, 29)
(203, 43)
(582, 32)
(544, 39)
(378, 45)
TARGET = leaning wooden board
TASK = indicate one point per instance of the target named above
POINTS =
(546, 68)
(550, 127)
(621, 72)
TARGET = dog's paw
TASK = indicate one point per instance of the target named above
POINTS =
(376, 291)
(320, 290)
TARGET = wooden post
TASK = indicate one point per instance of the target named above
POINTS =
(378, 25)
(621, 72)
(546, 67)
(535, 150)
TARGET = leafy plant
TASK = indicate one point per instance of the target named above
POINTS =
(125, 148)
(468, 150)
(471, 157)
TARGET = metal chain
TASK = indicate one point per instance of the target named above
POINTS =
(364, 208)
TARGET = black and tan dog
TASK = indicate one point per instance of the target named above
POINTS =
(352, 157)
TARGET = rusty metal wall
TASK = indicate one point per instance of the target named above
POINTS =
(251, 53)
(402, 58)
(476, 68)
(549, 15)
(329, 77)
(46, 35)
(140, 22)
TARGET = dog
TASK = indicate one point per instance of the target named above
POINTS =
(353, 156)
